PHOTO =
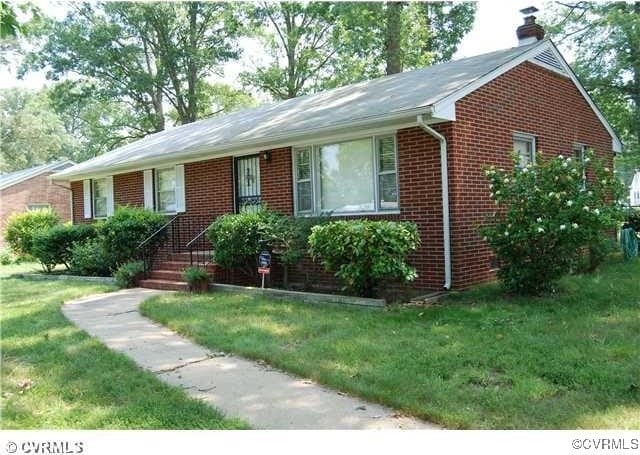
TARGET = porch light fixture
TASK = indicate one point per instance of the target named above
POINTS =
(266, 156)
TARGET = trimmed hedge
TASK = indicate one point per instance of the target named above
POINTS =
(21, 227)
(237, 239)
(89, 258)
(53, 246)
(121, 233)
(365, 254)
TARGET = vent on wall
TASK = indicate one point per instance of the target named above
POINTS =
(547, 59)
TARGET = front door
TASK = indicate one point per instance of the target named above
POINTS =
(247, 182)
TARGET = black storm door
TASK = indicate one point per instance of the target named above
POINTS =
(247, 181)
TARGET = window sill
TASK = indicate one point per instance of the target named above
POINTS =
(350, 214)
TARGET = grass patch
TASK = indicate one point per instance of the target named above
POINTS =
(478, 360)
(55, 376)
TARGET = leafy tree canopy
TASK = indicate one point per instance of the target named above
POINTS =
(605, 37)
(31, 133)
(319, 45)
(142, 55)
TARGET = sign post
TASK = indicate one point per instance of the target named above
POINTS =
(264, 265)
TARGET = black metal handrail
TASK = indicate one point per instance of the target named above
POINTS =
(156, 233)
(200, 248)
(149, 247)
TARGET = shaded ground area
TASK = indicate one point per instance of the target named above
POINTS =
(265, 398)
(55, 376)
(476, 360)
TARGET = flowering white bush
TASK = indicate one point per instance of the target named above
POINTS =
(546, 218)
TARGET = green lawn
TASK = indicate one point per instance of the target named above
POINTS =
(477, 360)
(55, 376)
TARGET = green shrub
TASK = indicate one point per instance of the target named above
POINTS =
(5, 257)
(288, 238)
(128, 275)
(197, 278)
(121, 233)
(546, 219)
(90, 258)
(53, 246)
(365, 254)
(21, 228)
(194, 274)
(594, 254)
(237, 239)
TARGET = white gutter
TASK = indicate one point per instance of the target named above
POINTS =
(444, 174)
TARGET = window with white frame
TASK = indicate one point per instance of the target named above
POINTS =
(525, 147)
(579, 154)
(38, 206)
(356, 176)
(166, 190)
(304, 182)
(387, 172)
(99, 191)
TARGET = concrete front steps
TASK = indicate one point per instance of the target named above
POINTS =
(167, 275)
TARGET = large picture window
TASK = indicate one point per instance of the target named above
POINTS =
(357, 176)
(99, 191)
(166, 190)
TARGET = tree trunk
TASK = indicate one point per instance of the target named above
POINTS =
(191, 113)
(292, 43)
(393, 50)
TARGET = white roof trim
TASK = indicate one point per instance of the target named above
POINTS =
(616, 143)
(444, 105)
(298, 141)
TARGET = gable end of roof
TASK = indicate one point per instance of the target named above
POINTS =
(544, 54)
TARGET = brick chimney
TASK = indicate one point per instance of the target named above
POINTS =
(529, 32)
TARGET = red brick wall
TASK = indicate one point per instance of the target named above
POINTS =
(128, 189)
(276, 181)
(208, 191)
(35, 190)
(527, 99)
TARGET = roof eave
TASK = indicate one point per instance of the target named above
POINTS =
(402, 118)
(45, 169)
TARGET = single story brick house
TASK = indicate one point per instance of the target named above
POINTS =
(409, 146)
(32, 188)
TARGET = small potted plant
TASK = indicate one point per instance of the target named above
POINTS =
(197, 278)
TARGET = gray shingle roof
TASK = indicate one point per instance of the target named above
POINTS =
(371, 99)
(12, 178)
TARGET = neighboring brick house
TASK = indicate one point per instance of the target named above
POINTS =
(410, 146)
(31, 189)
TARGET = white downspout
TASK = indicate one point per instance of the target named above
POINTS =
(444, 174)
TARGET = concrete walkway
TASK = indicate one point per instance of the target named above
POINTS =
(261, 396)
